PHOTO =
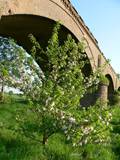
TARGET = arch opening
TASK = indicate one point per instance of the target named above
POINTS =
(119, 89)
(20, 26)
(110, 88)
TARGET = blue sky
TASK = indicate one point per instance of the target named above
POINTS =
(103, 19)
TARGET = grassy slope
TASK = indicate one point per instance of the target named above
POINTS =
(16, 146)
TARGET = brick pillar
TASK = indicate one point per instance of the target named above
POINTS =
(103, 93)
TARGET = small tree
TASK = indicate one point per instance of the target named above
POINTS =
(58, 108)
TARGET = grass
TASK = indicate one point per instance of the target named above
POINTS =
(116, 131)
(14, 145)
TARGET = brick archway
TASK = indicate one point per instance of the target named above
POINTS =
(110, 87)
(19, 27)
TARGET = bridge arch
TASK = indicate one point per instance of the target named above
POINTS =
(57, 10)
(20, 26)
(110, 87)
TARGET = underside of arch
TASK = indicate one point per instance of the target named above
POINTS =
(110, 87)
(20, 26)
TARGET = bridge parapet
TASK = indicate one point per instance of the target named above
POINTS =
(76, 15)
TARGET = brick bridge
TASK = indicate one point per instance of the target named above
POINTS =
(21, 17)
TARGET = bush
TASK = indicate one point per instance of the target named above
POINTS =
(104, 80)
(116, 98)
(97, 152)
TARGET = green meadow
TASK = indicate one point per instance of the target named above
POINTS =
(16, 145)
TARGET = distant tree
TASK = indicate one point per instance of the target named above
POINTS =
(17, 68)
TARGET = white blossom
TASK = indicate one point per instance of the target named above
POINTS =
(72, 120)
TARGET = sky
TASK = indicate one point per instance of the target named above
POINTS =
(103, 19)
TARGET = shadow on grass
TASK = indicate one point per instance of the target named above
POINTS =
(12, 149)
(19, 148)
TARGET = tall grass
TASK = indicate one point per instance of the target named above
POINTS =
(16, 146)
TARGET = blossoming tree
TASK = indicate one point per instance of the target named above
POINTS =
(58, 109)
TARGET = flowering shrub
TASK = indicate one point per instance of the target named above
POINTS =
(93, 125)
(55, 101)
(58, 108)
